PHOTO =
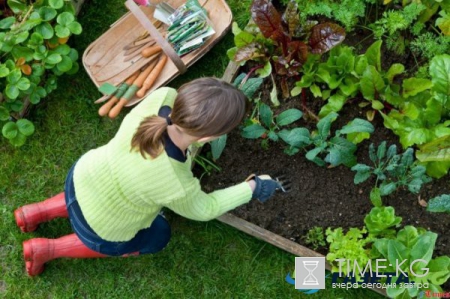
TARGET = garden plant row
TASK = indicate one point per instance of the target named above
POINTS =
(353, 104)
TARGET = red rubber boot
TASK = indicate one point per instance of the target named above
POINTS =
(38, 251)
(28, 217)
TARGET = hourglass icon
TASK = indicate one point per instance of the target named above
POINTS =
(310, 279)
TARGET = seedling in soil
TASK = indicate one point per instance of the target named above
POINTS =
(392, 171)
(267, 126)
(315, 237)
(439, 204)
(337, 150)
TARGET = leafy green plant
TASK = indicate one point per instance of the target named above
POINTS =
(429, 45)
(381, 221)
(422, 118)
(414, 247)
(336, 150)
(352, 246)
(393, 22)
(34, 52)
(439, 204)
(336, 77)
(206, 164)
(410, 248)
(280, 43)
(344, 74)
(268, 126)
(315, 237)
(392, 171)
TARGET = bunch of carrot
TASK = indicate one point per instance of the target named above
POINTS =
(137, 84)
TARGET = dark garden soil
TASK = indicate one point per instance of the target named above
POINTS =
(325, 197)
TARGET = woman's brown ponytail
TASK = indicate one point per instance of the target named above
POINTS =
(149, 136)
(205, 107)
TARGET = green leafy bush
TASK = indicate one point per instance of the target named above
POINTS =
(34, 52)
(392, 171)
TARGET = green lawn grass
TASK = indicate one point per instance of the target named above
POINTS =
(203, 260)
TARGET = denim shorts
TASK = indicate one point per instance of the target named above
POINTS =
(148, 240)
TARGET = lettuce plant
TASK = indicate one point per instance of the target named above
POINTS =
(422, 118)
(381, 221)
(392, 171)
(352, 246)
(412, 249)
(333, 80)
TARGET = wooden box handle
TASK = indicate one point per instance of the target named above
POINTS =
(160, 40)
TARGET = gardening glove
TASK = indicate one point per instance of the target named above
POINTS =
(265, 186)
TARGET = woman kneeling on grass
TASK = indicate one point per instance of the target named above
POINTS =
(114, 194)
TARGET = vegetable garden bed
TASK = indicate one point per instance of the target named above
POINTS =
(326, 197)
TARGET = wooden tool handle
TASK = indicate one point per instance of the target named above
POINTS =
(152, 76)
(137, 83)
(107, 106)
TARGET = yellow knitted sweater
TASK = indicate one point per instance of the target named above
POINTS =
(120, 192)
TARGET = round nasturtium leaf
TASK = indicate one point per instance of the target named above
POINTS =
(12, 91)
(53, 59)
(21, 37)
(16, 106)
(65, 65)
(19, 140)
(73, 54)
(4, 113)
(36, 39)
(57, 4)
(62, 31)
(23, 84)
(38, 69)
(75, 28)
(14, 76)
(74, 69)
(4, 71)
(65, 18)
(46, 30)
(25, 126)
(62, 49)
(47, 13)
(17, 6)
(10, 130)
(22, 52)
(6, 23)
